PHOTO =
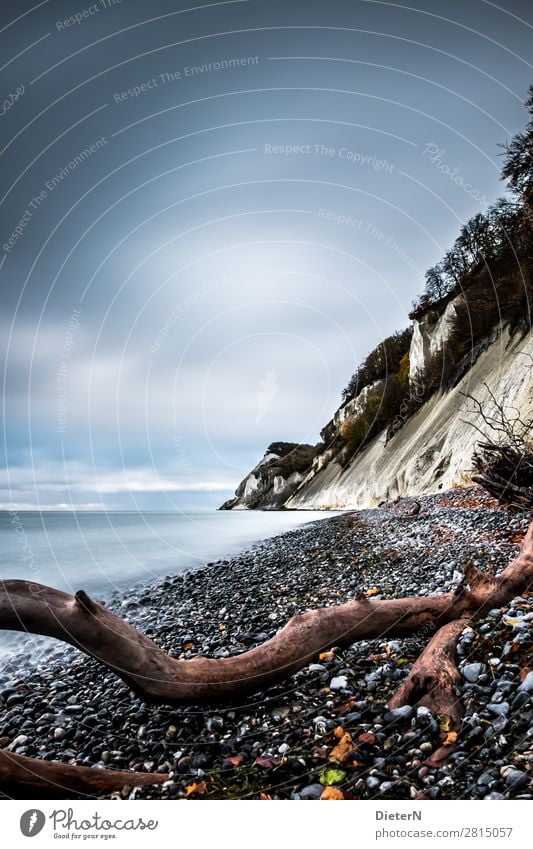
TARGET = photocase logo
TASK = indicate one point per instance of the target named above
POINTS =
(32, 822)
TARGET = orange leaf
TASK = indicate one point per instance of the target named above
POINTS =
(346, 707)
(325, 655)
(199, 789)
(236, 760)
(344, 748)
(332, 793)
(450, 738)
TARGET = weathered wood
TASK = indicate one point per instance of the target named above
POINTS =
(155, 676)
(67, 778)
(434, 677)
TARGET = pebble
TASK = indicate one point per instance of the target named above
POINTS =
(527, 684)
(516, 778)
(312, 791)
(500, 709)
(399, 714)
(472, 671)
(339, 683)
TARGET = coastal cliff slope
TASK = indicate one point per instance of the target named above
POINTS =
(429, 445)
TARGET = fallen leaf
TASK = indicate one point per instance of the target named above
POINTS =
(517, 537)
(236, 760)
(372, 591)
(198, 789)
(332, 793)
(344, 748)
(188, 646)
(445, 722)
(325, 655)
(450, 739)
(332, 775)
(346, 707)
(265, 797)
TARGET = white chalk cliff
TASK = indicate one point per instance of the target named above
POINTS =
(433, 448)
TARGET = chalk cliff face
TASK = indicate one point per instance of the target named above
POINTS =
(432, 449)
(430, 335)
(274, 479)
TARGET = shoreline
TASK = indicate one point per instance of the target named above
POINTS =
(276, 742)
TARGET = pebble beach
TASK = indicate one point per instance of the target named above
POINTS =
(278, 743)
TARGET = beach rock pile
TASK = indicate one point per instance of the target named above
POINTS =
(325, 732)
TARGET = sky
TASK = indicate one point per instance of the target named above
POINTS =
(211, 212)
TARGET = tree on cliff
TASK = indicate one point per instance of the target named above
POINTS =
(518, 153)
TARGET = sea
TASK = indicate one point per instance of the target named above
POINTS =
(103, 552)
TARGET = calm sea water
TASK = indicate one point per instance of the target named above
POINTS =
(103, 552)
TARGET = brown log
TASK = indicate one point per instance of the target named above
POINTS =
(155, 676)
(30, 772)
(434, 677)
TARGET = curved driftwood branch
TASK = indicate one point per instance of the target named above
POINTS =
(155, 676)
(31, 772)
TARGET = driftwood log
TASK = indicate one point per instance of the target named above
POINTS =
(18, 770)
(156, 677)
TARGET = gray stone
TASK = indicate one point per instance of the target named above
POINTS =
(472, 671)
(312, 791)
(398, 714)
(499, 709)
(527, 684)
(339, 683)
(516, 778)
(486, 778)
(522, 698)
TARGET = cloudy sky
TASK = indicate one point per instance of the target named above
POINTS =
(212, 211)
